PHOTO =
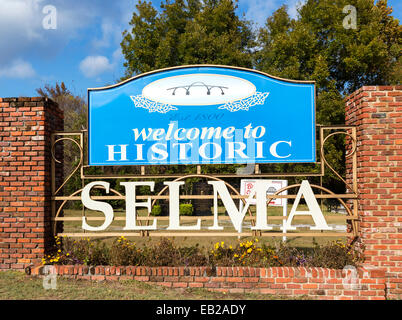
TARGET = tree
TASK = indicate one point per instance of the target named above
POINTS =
(317, 46)
(75, 119)
(186, 32)
(74, 107)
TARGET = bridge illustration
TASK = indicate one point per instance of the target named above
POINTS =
(197, 84)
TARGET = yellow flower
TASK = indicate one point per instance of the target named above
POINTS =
(249, 250)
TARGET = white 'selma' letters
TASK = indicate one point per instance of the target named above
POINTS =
(258, 195)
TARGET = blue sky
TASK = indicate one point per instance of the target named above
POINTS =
(84, 48)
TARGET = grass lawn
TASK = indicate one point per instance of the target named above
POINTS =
(19, 286)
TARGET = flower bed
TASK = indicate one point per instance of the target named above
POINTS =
(124, 252)
(318, 273)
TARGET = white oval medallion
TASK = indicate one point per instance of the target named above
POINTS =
(198, 89)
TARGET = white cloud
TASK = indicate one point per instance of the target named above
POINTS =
(92, 66)
(22, 34)
(259, 10)
(293, 5)
(111, 33)
(18, 69)
(17, 26)
(117, 55)
(112, 26)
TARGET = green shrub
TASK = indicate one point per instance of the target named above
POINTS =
(291, 256)
(156, 210)
(122, 252)
(193, 256)
(83, 251)
(125, 253)
(222, 255)
(87, 251)
(186, 209)
(246, 253)
(335, 255)
(164, 253)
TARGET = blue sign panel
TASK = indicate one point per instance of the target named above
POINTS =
(202, 115)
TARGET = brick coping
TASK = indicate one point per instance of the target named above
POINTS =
(315, 283)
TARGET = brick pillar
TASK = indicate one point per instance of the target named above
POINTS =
(25, 178)
(377, 113)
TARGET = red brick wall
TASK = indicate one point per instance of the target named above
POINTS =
(376, 111)
(315, 283)
(25, 127)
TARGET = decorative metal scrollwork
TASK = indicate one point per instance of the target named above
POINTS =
(348, 155)
(352, 211)
(58, 161)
